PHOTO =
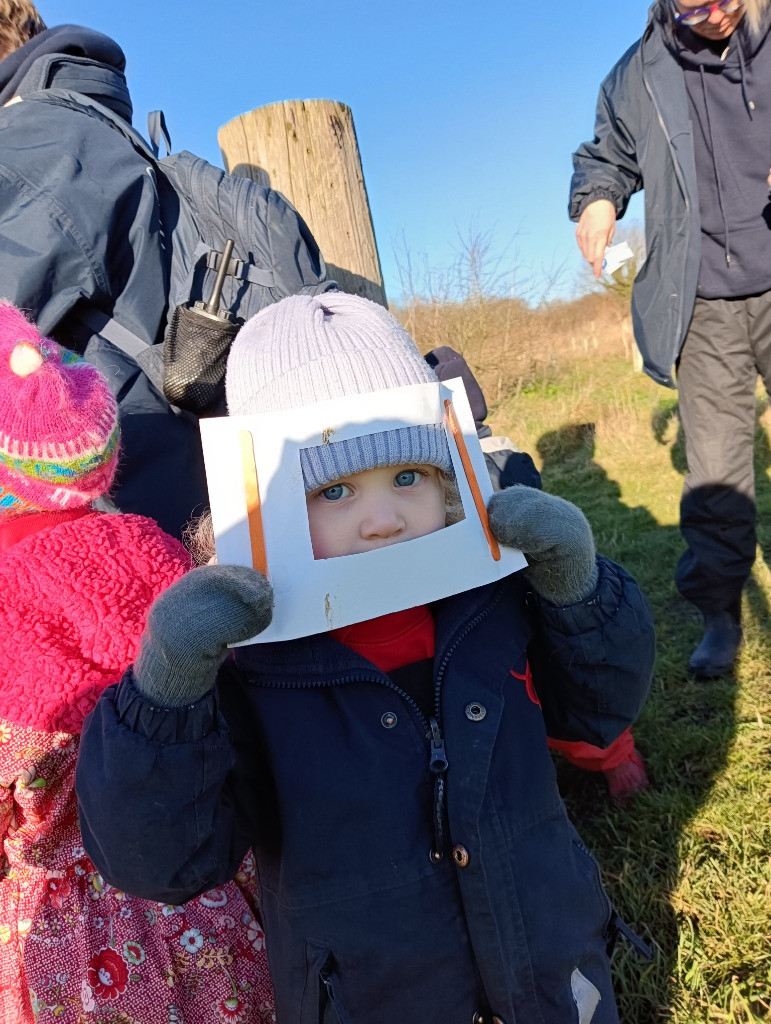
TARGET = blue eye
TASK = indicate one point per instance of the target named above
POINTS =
(335, 492)
(406, 478)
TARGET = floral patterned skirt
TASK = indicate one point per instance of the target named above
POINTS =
(74, 950)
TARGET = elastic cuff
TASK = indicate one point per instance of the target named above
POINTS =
(600, 193)
(567, 593)
(137, 712)
(597, 608)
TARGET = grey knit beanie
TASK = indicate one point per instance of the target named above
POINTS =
(308, 348)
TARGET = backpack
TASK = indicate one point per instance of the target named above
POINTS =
(154, 252)
(206, 213)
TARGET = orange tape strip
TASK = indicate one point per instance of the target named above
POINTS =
(468, 469)
(253, 510)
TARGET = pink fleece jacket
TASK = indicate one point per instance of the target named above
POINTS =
(73, 602)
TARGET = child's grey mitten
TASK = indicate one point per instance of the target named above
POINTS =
(190, 626)
(554, 535)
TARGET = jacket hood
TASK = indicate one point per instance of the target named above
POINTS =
(68, 57)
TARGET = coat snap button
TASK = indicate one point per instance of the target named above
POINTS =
(388, 720)
(477, 1019)
(498, 1020)
(460, 856)
(475, 712)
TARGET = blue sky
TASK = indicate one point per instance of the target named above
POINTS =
(466, 115)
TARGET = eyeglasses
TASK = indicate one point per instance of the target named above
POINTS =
(698, 14)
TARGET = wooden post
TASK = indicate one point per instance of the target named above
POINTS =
(307, 150)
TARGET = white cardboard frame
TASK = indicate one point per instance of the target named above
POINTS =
(311, 595)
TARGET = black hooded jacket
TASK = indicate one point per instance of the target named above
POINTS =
(643, 139)
(80, 231)
(728, 84)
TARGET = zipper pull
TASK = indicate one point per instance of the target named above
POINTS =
(438, 761)
(438, 765)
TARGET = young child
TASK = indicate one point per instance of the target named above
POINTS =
(76, 588)
(415, 860)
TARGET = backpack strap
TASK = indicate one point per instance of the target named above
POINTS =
(149, 358)
(238, 269)
(157, 131)
(109, 328)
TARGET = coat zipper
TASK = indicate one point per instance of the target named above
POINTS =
(439, 763)
(437, 760)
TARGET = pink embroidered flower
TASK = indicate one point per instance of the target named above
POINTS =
(231, 1010)
(133, 952)
(87, 997)
(57, 890)
(255, 934)
(213, 898)
(63, 741)
(107, 974)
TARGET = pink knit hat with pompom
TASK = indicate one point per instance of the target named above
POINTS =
(58, 423)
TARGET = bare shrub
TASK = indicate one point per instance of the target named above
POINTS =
(511, 346)
(482, 305)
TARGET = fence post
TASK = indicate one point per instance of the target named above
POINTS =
(307, 150)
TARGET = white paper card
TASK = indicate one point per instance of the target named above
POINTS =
(616, 256)
(312, 596)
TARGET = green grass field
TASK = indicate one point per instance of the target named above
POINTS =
(688, 862)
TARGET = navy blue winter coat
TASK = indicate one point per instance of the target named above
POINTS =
(82, 243)
(79, 229)
(346, 791)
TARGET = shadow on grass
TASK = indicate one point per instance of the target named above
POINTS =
(684, 733)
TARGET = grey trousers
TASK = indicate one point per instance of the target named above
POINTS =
(727, 346)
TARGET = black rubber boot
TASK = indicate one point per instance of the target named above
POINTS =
(716, 653)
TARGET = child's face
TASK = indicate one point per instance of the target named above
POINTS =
(375, 508)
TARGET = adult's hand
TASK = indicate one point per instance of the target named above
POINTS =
(595, 230)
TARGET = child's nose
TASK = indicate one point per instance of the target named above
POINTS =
(381, 521)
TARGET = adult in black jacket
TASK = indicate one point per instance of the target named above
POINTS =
(79, 231)
(686, 115)
(96, 239)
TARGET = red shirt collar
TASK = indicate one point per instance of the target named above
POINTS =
(392, 641)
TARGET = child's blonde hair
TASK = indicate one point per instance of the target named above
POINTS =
(19, 22)
(199, 533)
